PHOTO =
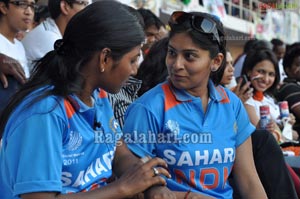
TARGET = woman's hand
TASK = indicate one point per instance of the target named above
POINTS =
(244, 92)
(274, 129)
(143, 176)
(292, 119)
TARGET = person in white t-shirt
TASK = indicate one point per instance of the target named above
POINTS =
(41, 39)
(261, 68)
(279, 49)
(15, 16)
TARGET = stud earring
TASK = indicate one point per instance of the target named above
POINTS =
(102, 70)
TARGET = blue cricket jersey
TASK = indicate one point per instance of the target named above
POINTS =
(199, 147)
(54, 146)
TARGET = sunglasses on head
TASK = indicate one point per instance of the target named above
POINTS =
(199, 23)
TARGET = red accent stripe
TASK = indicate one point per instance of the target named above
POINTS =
(102, 94)
(170, 100)
(223, 94)
(69, 108)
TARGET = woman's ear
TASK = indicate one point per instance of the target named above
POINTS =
(104, 59)
(217, 62)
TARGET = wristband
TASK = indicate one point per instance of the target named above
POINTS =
(187, 194)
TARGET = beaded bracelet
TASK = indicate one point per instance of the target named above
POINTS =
(187, 194)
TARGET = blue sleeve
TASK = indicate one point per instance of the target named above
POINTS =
(140, 130)
(244, 126)
(34, 154)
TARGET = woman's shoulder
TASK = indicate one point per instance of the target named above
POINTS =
(153, 99)
(38, 103)
(227, 93)
(156, 92)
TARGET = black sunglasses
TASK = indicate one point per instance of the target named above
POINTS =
(199, 23)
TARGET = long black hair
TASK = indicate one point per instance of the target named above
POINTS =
(88, 32)
(153, 69)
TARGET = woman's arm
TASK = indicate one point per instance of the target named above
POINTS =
(272, 127)
(254, 119)
(245, 174)
(125, 161)
(135, 177)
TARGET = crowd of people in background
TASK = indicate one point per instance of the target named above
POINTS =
(109, 106)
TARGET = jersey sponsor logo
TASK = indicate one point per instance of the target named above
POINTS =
(75, 141)
(204, 169)
(204, 157)
(92, 172)
(206, 178)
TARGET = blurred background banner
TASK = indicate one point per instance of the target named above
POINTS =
(215, 7)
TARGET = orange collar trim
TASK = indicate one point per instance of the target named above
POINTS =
(258, 95)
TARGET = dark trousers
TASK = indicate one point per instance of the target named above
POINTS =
(271, 168)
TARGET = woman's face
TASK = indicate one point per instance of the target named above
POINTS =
(188, 65)
(294, 70)
(229, 70)
(262, 76)
(119, 72)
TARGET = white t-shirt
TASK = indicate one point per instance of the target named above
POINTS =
(281, 71)
(39, 41)
(14, 50)
(267, 100)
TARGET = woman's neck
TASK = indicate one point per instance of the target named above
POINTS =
(86, 97)
(258, 95)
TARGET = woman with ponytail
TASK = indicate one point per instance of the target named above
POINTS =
(58, 132)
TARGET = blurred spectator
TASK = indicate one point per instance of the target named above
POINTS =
(40, 40)
(290, 90)
(238, 63)
(262, 70)
(41, 14)
(279, 50)
(154, 28)
(268, 158)
(249, 45)
(15, 16)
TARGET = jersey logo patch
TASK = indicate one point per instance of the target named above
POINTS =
(173, 126)
(75, 141)
(113, 124)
